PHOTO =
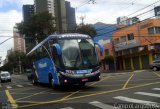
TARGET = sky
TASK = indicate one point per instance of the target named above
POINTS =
(105, 11)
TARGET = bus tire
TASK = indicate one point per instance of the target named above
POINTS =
(34, 82)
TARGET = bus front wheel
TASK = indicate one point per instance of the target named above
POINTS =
(51, 82)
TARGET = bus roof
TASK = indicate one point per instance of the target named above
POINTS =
(61, 36)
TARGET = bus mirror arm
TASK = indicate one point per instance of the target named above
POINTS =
(100, 47)
(58, 48)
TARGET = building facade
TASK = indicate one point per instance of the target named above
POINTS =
(127, 21)
(71, 19)
(60, 10)
(44, 5)
(28, 11)
(60, 14)
(136, 46)
(19, 42)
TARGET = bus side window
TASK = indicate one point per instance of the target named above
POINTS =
(55, 56)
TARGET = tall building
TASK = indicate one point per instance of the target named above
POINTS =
(19, 42)
(60, 14)
(28, 11)
(71, 20)
(44, 5)
(61, 10)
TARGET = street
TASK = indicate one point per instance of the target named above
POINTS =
(114, 90)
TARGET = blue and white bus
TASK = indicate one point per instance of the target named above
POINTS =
(65, 59)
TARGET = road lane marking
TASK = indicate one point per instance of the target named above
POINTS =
(156, 89)
(0, 85)
(102, 105)
(99, 81)
(80, 90)
(11, 100)
(8, 87)
(19, 85)
(67, 108)
(30, 84)
(83, 96)
(157, 74)
(132, 100)
(70, 95)
(126, 83)
(147, 94)
(31, 95)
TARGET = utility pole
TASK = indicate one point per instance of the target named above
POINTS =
(82, 19)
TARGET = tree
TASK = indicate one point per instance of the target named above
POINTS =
(87, 29)
(38, 26)
(14, 60)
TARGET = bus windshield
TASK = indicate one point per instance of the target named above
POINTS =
(78, 53)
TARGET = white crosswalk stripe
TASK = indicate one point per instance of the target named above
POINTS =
(148, 94)
(132, 100)
(19, 85)
(8, 87)
(156, 89)
(67, 108)
(30, 84)
(102, 105)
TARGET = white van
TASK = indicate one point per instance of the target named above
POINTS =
(5, 76)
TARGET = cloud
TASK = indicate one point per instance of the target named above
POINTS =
(7, 22)
(108, 10)
(19, 2)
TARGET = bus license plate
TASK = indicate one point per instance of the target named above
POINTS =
(85, 79)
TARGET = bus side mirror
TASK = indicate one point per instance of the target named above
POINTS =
(58, 48)
(100, 47)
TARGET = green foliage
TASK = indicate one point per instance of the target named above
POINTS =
(38, 26)
(109, 59)
(14, 59)
(87, 29)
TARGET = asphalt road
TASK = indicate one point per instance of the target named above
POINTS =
(128, 90)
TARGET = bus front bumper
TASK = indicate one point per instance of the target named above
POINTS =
(79, 79)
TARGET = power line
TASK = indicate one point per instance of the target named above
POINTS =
(144, 8)
(122, 27)
(133, 13)
(124, 20)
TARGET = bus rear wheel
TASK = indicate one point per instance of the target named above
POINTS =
(51, 82)
(34, 82)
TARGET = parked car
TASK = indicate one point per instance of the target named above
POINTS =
(5, 76)
(155, 65)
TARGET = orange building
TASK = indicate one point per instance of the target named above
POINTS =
(137, 45)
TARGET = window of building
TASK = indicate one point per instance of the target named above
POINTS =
(151, 30)
(157, 29)
(123, 39)
(130, 36)
(154, 30)
(107, 51)
(116, 41)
